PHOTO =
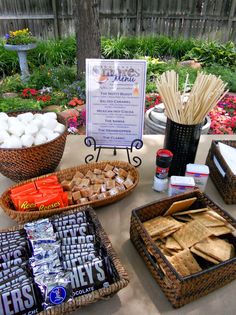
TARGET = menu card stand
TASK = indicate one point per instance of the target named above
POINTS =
(136, 144)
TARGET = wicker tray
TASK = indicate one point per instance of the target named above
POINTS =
(99, 294)
(225, 183)
(179, 290)
(21, 217)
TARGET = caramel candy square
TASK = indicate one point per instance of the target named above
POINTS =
(97, 171)
(120, 180)
(97, 180)
(86, 192)
(120, 187)
(67, 185)
(110, 184)
(78, 174)
(102, 196)
(93, 197)
(76, 195)
(123, 173)
(129, 176)
(85, 182)
(116, 170)
(128, 183)
(103, 188)
(70, 198)
(108, 167)
(110, 174)
(96, 188)
(114, 191)
(77, 181)
(83, 200)
(90, 174)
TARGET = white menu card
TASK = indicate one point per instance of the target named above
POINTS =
(115, 101)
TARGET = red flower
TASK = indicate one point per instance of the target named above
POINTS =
(75, 101)
(44, 98)
(29, 92)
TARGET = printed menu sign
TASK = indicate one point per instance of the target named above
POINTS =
(115, 101)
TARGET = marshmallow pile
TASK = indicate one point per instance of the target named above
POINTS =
(26, 130)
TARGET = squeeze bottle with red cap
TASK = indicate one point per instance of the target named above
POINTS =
(163, 161)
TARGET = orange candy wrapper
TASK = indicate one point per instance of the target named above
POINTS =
(43, 194)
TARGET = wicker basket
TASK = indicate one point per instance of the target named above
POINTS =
(100, 294)
(21, 164)
(179, 290)
(21, 217)
(220, 172)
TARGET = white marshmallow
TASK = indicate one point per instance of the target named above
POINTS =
(37, 122)
(16, 129)
(50, 115)
(59, 128)
(53, 136)
(3, 116)
(27, 117)
(31, 129)
(39, 139)
(38, 116)
(27, 140)
(12, 142)
(3, 125)
(12, 121)
(49, 123)
(3, 135)
(45, 132)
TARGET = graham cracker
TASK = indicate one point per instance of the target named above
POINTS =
(191, 233)
(158, 226)
(219, 230)
(217, 248)
(171, 243)
(185, 263)
(191, 211)
(207, 219)
(180, 205)
(206, 257)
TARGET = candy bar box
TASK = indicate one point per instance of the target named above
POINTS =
(57, 264)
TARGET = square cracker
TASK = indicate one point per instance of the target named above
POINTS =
(191, 233)
(217, 248)
(171, 243)
(191, 211)
(180, 205)
(206, 257)
(220, 230)
(185, 263)
(207, 219)
(160, 225)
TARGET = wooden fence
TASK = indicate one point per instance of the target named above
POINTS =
(209, 19)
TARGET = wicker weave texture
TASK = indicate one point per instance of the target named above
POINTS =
(67, 174)
(179, 290)
(100, 294)
(21, 164)
(226, 185)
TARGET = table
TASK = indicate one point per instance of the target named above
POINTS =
(143, 295)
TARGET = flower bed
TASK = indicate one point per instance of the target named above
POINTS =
(223, 116)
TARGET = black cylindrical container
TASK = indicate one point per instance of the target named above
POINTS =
(182, 141)
(163, 161)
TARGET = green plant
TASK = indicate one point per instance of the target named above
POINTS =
(227, 75)
(20, 37)
(17, 103)
(11, 84)
(8, 61)
(213, 53)
(76, 89)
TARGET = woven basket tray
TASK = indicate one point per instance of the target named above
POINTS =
(179, 290)
(99, 294)
(67, 174)
(226, 184)
(24, 163)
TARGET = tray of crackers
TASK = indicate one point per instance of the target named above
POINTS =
(95, 184)
(188, 243)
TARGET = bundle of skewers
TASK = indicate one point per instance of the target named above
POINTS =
(206, 92)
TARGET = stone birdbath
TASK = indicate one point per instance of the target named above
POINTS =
(22, 55)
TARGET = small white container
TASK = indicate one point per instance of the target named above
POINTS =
(200, 173)
(160, 184)
(180, 184)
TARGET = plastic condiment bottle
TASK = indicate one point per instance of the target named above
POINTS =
(163, 161)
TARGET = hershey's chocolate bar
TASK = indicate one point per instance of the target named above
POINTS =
(11, 263)
(11, 255)
(78, 247)
(78, 240)
(71, 261)
(79, 231)
(19, 301)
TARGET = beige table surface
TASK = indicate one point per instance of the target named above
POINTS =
(143, 295)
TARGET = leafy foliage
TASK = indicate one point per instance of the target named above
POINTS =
(17, 103)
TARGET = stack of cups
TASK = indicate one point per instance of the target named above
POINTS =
(163, 161)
